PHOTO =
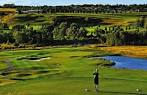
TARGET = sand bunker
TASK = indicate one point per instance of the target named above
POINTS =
(42, 59)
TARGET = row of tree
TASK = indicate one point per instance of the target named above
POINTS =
(86, 8)
(121, 37)
(73, 33)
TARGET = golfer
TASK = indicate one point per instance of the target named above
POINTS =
(96, 79)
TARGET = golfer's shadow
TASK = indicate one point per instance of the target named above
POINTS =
(114, 92)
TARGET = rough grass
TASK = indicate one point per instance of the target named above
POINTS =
(2, 65)
(8, 10)
(8, 14)
(133, 51)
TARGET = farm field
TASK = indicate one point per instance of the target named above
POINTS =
(64, 70)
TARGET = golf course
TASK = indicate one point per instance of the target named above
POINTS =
(64, 70)
(66, 50)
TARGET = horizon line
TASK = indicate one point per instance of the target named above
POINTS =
(69, 4)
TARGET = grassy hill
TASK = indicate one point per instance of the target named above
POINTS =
(114, 19)
(36, 20)
(107, 20)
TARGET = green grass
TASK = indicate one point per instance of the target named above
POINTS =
(2, 66)
(33, 19)
(68, 71)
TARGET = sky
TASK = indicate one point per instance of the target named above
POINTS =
(69, 2)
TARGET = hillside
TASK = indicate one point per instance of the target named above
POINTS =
(106, 19)
(74, 28)
(7, 14)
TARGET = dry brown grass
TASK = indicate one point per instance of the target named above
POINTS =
(11, 10)
(115, 21)
(8, 14)
(133, 51)
(6, 82)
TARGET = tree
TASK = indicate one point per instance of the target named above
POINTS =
(8, 37)
(20, 37)
(82, 33)
(115, 37)
(73, 32)
(5, 26)
(100, 35)
(19, 27)
(59, 32)
(1, 38)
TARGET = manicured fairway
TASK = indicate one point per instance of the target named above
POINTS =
(65, 71)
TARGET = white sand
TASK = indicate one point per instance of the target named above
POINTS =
(42, 59)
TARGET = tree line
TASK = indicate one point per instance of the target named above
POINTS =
(72, 33)
(86, 8)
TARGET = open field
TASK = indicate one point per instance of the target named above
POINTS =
(64, 71)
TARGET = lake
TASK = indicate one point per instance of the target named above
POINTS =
(128, 62)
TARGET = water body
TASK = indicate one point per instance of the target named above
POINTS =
(128, 62)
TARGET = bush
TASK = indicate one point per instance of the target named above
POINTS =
(16, 44)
